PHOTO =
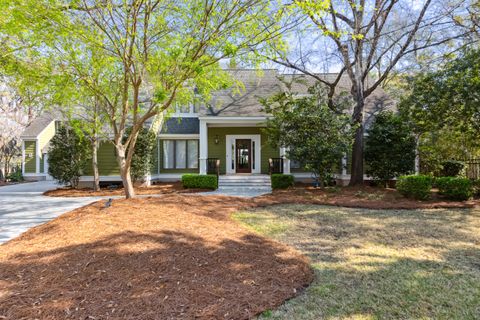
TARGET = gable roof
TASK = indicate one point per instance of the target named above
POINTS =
(37, 126)
(257, 84)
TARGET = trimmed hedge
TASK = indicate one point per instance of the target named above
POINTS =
(415, 186)
(455, 188)
(281, 181)
(200, 181)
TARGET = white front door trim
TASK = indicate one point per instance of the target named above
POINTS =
(230, 146)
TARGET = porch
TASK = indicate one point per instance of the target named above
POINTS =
(237, 146)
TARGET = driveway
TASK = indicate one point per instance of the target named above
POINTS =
(23, 206)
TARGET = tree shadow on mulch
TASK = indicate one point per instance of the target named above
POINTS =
(163, 275)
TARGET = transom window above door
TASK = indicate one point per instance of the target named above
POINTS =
(180, 154)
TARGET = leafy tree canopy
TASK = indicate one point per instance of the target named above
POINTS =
(444, 108)
(315, 135)
(389, 147)
(68, 155)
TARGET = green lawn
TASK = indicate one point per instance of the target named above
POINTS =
(379, 264)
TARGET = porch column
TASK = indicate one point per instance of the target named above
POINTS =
(203, 146)
(37, 157)
(286, 161)
(23, 157)
(344, 165)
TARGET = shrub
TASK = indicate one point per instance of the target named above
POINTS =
(455, 188)
(389, 148)
(200, 181)
(452, 168)
(67, 157)
(143, 156)
(15, 176)
(281, 181)
(416, 187)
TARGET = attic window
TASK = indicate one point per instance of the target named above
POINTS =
(187, 108)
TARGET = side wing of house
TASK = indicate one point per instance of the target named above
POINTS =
(35, 142)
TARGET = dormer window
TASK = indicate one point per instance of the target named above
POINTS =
(187, 109)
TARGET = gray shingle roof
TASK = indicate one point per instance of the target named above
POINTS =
(244, 102)
(180, 126)
(37, 126)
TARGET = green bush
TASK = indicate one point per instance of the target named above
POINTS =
(199, 181)
(68, 155)
(143, 157)
(15, 176)
(281, 181)
(416, 187)
(452, 168)
(455, 188)
(389, 148)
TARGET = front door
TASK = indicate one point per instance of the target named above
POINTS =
(243, 152)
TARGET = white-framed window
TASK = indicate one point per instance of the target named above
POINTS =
(180, 154)
(188, 108)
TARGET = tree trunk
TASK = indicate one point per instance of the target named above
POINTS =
(125, 173)
(356, 177)
(96, 176)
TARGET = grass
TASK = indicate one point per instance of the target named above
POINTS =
(379, 264)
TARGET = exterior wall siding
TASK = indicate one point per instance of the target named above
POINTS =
(107, 161)
(30, 162)
(219, 150)
(46, 135)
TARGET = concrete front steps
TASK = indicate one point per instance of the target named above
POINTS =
(244, 184)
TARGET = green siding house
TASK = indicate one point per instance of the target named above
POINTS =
(195, 138)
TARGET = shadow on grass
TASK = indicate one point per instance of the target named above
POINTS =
(164, 275)
(379, 264)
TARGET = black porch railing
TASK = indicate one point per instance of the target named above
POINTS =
(213, 166)
(275, 165)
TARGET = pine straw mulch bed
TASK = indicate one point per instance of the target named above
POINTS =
(160, 188)
(169, 257)
(360, 197)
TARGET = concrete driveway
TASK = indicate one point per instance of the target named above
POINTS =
(23, 206)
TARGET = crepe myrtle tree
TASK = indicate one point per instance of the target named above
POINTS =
(314, 134)
(151, 53)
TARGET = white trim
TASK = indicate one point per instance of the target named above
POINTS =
(242, 124)
(232, 119)
(167, 176)
(286, 161)
(203, 154)
(34, 174)
(23, 157)
(178, 136)
(159, 159)
(182, 115)
(37, 155)
(101, 178)
(344, 165)
(230, 140)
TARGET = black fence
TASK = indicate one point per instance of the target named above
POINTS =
(472, 168)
